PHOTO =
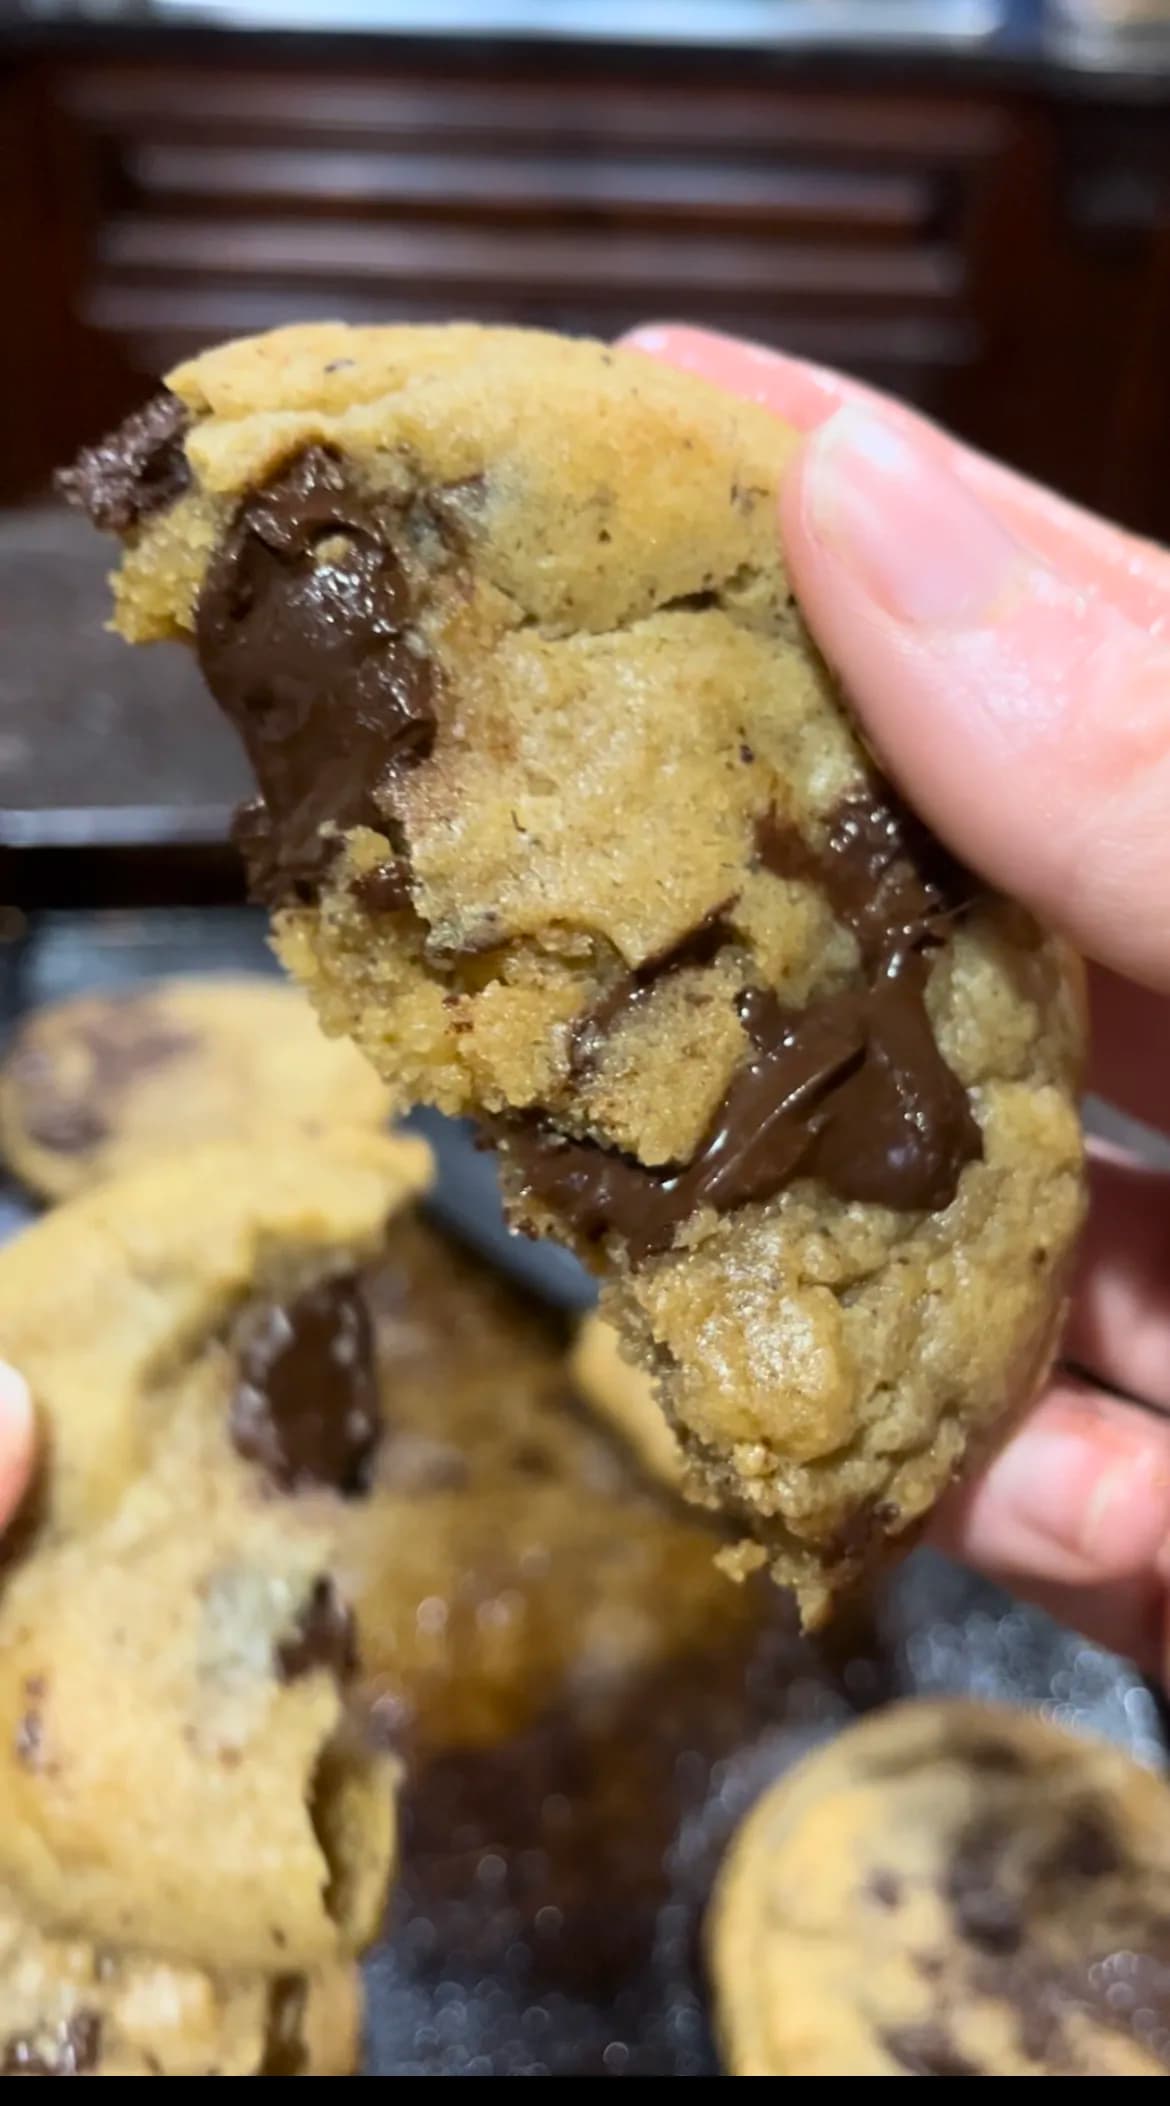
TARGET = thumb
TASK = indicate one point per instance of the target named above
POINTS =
(1023, 710)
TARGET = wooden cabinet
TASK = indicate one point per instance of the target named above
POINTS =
(995, 253)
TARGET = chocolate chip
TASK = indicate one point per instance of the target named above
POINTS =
(284, 2044)
(851, 1089)
(983, 1913)
(385, 889)
(699, 946)
(137, 471)
(1087, 1850)
(885, 1888)
(305, 638)
(307, 1407)
(927, 2051)
(69, 2049)
(324, 1635)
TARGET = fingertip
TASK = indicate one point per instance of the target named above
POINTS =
(17, 1438)
(1079, 1495)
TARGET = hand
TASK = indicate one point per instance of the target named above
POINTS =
(1009, 657)
(16, 1441)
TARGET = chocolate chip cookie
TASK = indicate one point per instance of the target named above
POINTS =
(98, 1084)
(561, 817)
(71, 2009)
(186, 1768)
(949, 1890)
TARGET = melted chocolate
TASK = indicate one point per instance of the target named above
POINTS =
(698, 947)
(307, 1407)
(324, 1635)
(304, 638)
(70, 2049)
(137, 471)
(852, 1089)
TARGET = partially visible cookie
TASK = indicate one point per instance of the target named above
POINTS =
(562, 818)
(949, 1890)
(72, 2009)
(624, 1396)
(506, 1556)
(98, 1084)
(183, 1769)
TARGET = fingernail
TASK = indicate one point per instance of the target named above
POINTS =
(1091, 1489)
(15, 1401)
(912, 535)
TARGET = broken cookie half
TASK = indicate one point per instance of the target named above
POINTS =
(562, 819)
(194, 1793)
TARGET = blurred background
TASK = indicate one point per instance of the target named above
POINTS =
(966, 201)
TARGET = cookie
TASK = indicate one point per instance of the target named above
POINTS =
(563, 821)
(98, 1084)
(185, 1769)
(949, 1890)
(506, 1554)
(70, 2009)
(624, 1396)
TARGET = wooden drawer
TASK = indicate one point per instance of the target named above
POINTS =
(833, 222)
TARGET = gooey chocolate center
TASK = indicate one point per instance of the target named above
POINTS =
(303, 637)
(851, 1089)
(306, 1406)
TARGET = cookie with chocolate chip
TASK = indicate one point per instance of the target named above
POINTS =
(562, 818)
(98, 1084)
(949, 1889)
(187, 1767)
(72, 2009)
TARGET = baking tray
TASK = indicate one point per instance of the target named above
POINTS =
(548, 1917)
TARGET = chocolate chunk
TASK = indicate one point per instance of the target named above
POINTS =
(324, 1635)
(885, 876)
(307, 1407)
(70, 1110)
(928, 2051)
(68, 2049)
(284, 2043)
(699, 946)
(1088, 1849)
(851, 1089)
(385, 889)
(984, 1914)
(304, 637)
(137, 471)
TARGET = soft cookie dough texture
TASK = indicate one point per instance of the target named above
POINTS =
(949, 1890)
(98, 1084)
(185, 1769)
(562, 820)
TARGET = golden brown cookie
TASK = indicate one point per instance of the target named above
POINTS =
(562, 819)
(184, 1769)
(949, 1890)
(70, 2009)
(624, 1396)
(100, 1083)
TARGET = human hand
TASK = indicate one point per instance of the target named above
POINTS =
(16, 1441)
(1009, 657)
